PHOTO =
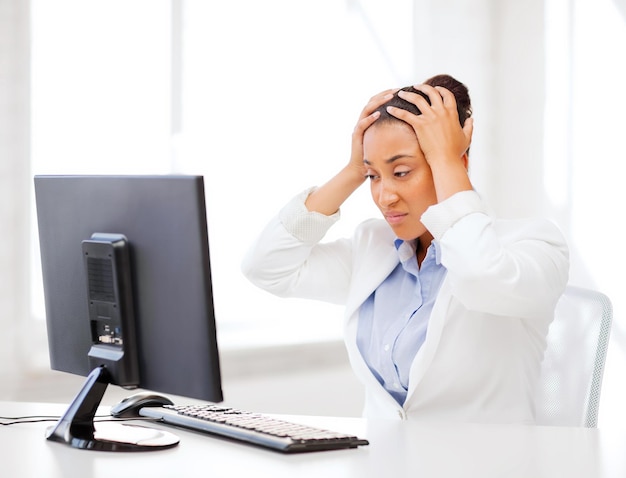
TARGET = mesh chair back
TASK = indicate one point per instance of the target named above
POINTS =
(573, 365)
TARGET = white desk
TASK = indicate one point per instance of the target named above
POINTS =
(397, 449)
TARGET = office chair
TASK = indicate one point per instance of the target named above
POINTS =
(573, 365)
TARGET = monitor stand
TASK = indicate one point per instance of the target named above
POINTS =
(76, 427)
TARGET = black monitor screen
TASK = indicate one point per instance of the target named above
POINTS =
(163, 219)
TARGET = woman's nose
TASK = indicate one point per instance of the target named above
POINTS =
(387, 194)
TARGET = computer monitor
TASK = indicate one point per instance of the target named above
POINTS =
(128, 295)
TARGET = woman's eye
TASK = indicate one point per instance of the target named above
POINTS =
(371, 175)
(401, 174)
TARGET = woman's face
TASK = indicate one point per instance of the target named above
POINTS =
(401, 181)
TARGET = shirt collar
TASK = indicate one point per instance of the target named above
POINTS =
(406, 250)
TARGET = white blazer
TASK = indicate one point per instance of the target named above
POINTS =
(487, 331)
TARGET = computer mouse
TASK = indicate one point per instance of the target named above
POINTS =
(129, 407)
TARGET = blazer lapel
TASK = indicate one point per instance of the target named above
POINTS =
(436, 325)
(370, 275)
(367, 278)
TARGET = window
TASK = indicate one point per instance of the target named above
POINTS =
(585, 41)
(259, 97)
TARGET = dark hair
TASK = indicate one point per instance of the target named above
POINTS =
(458, 89)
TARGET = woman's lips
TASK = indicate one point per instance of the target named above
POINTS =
(395, 217)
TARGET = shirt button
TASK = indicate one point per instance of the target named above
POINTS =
(386, 347)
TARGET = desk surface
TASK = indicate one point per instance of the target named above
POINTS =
(396, 449)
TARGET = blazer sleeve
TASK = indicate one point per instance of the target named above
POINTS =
(515, 268)
(288, 259)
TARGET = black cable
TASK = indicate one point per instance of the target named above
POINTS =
(28, 419)
(51, 418)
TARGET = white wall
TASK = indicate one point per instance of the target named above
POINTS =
(496, 48)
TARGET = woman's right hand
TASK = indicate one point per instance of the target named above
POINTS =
(367, 117)
(328, 198)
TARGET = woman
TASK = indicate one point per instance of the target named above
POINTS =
(447, 308)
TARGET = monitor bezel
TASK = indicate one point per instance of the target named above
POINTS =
(164, 219)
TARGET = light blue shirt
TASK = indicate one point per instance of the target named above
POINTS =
(394, 319)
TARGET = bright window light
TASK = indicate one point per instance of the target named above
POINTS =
(258, 97)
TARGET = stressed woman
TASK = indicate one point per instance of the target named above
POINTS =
(447, 308)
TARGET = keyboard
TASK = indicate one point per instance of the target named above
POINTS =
(252, 428)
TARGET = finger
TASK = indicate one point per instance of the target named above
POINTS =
(449, 100)
(433, 94)
(366, 122)
(386, 92)
(418, 100)
(401, 114)
(376, 101)
(381, 97)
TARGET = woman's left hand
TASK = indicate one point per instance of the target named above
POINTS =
(438, 130)
(440, 136)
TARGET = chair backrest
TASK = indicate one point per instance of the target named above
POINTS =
(573, 365)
